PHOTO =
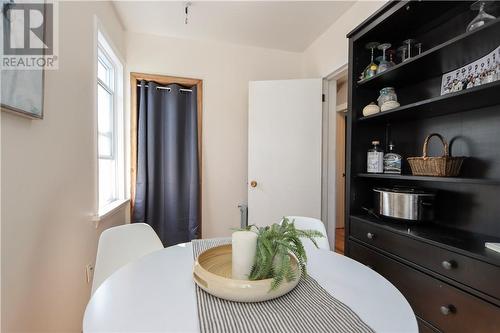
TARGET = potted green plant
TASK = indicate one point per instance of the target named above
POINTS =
(275, 243)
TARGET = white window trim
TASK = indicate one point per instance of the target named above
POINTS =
(108, 63)
(102, 44)
(111, 209)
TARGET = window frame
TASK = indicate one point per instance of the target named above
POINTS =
(107, 57)
(109, 89)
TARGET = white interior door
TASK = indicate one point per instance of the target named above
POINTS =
(284, 149)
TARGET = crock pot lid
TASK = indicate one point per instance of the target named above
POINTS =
(408, 190)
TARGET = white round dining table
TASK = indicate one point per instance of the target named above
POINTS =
(157, 294)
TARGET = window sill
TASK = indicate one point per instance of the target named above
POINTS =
(109, 210)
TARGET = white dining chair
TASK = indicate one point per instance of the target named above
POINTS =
(310, 223)
(120, 245)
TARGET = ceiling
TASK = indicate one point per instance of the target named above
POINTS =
(285, 25)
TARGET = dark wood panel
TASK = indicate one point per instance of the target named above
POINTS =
(445, 307)
(417, 107)
(440, 59)
(425, 327)
(480, 181)
(469, 271)
(455, 240)
(461, 206)
(473, 134)
(411, 255)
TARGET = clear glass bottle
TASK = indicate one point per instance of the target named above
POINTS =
(375, 158)
(392, 161)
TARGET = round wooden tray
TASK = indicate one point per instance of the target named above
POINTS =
(212, 273)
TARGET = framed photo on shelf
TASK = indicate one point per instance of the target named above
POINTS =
(482, 71)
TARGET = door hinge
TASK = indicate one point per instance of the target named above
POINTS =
(323, 98)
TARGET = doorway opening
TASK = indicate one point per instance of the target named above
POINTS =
(340, 136)
(334, 138)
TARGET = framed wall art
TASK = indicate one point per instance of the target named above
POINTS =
(21, 87)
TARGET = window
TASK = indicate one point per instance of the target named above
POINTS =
(110, 128)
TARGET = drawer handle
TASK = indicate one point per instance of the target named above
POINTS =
(449, 264)
(370, 235)
(447, 309)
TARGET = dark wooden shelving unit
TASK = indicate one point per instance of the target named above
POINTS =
(480, 40)
(469, 99)
(445, 260)
(436, 241)
(461, 180)
(435, 234)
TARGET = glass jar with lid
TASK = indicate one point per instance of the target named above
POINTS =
(387, 94)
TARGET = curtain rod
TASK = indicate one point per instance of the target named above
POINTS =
(168, 89)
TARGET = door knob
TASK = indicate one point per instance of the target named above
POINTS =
(253, 183)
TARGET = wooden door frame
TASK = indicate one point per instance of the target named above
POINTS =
(329, 197)
(135, 79)
(340, 133)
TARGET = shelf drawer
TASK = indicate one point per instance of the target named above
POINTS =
(445, 307)
(469, 271)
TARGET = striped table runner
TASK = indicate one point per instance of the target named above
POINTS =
(307, 308)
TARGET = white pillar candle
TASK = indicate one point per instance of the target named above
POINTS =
(244, 248)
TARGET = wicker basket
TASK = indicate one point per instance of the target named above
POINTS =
(443, 166)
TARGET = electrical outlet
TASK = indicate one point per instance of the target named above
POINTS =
(89, 270)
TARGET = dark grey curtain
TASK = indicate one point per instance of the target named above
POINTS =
(167, 188)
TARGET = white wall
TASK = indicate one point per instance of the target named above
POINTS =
(225, 70)
(48, 182)
(330, 51)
